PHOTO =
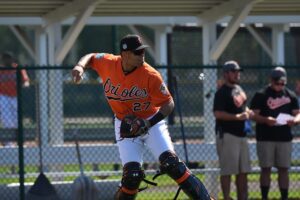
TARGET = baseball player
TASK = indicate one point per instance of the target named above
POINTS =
(140, 101)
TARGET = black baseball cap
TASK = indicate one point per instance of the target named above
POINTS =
(132, 43)
(278, 73)
(231, 66)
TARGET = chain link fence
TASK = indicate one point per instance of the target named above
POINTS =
(52, 109)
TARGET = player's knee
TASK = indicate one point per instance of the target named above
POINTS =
(132, 177)
(171, 165)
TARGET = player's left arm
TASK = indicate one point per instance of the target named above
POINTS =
(161, 97)
(132, 126)
(167, 108)
(163, 112)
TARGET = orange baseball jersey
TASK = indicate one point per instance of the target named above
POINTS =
(8, 82)
(140, 92)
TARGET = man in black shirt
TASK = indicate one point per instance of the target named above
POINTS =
(231, 114)
(274, 137)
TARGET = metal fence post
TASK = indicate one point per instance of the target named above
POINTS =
(20, 137)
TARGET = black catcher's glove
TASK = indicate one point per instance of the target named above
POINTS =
(132, 126)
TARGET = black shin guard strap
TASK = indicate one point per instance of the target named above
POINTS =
(177, 170)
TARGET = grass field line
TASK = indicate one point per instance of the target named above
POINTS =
(119, 172)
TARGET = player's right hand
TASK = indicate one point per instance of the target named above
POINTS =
(77, 74)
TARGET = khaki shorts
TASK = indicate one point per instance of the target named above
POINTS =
(233, 154)
(274, 154)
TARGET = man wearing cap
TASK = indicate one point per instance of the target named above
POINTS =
(232, 148)
(274, 136)
(133, 87)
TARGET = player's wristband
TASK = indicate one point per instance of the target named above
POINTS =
(156, 118)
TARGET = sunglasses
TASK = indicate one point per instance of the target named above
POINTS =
(280, 83)
(139, 52)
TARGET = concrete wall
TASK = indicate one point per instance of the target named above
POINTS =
(107, 189)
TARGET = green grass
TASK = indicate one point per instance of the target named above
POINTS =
(166, 183)
(167, 187)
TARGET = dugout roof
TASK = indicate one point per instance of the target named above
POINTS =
(45, 14)
(44, 11)
(42, 8)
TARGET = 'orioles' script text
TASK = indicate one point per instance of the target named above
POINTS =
(113, 92)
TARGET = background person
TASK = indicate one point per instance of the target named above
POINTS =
(274, 145)
(132, 86)
(297, 90)
(232, 147)
(220, 83)
(296, 129)
(8, 92)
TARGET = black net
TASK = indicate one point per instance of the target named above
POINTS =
(54, 110)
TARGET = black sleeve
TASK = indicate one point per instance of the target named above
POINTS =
(219, 101)
(294, 101)
(256, 101)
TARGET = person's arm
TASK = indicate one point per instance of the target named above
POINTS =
(256, 105)
(25, 78)
(24, 75)
(220, 111)
(295, 110)
(296, 113)
(225, 116)
(270, 121)
(160, 97)
(83, 64)
(163, 112)
(296, 119)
